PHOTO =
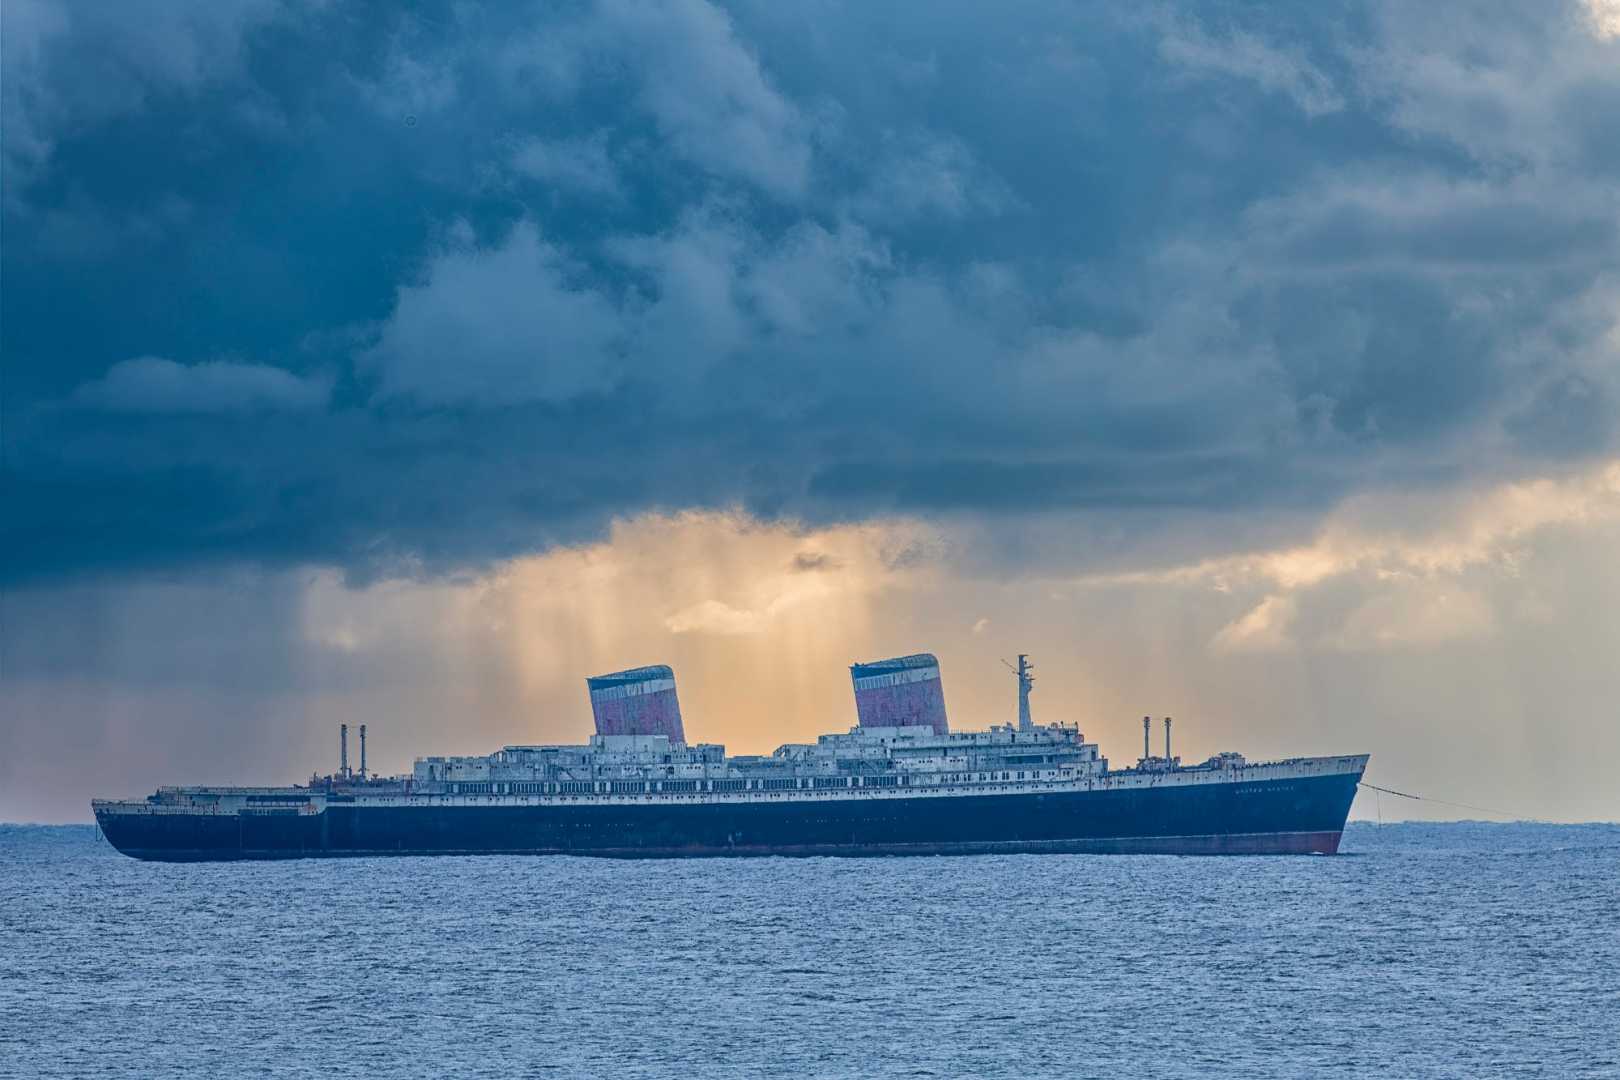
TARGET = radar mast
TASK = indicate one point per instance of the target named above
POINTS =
(1026, 682)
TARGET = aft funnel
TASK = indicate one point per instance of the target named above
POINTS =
(903, 692)
(640, 701)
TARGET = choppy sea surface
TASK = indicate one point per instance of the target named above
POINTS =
(1458, 950)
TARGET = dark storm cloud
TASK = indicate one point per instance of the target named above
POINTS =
(442, 285)
(1174, 481)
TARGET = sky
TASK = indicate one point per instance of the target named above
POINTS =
(1255, 363)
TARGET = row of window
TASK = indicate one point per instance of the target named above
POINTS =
(642, 787)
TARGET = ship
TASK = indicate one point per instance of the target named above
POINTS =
(900, 782)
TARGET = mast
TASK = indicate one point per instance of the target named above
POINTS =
(1026, 681)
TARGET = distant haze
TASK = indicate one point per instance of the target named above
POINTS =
(1258, 366)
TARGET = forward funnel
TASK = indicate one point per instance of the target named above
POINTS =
(640, 701)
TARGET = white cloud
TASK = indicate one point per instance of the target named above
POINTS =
(1370, 219)
(1263, 629)
(1420, 616)
(1605, 16)
(1486, 84)
(1242, 55)
(122, 54)
(714, 617)
(1390, 572)
(923, 175)
(723, 290)
(814, 280)
(497, 326)
(410, 88)
(1417, 535)
(581, 165)
(708, 93)
(151, 384)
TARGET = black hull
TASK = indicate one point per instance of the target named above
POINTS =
(1302, 815)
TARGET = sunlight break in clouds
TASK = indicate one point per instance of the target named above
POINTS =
(1408, 535)
(1605, 17)
(760, 622)
(1407, 557)
(1264, 628)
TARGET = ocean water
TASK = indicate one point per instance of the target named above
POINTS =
(1462, 950)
